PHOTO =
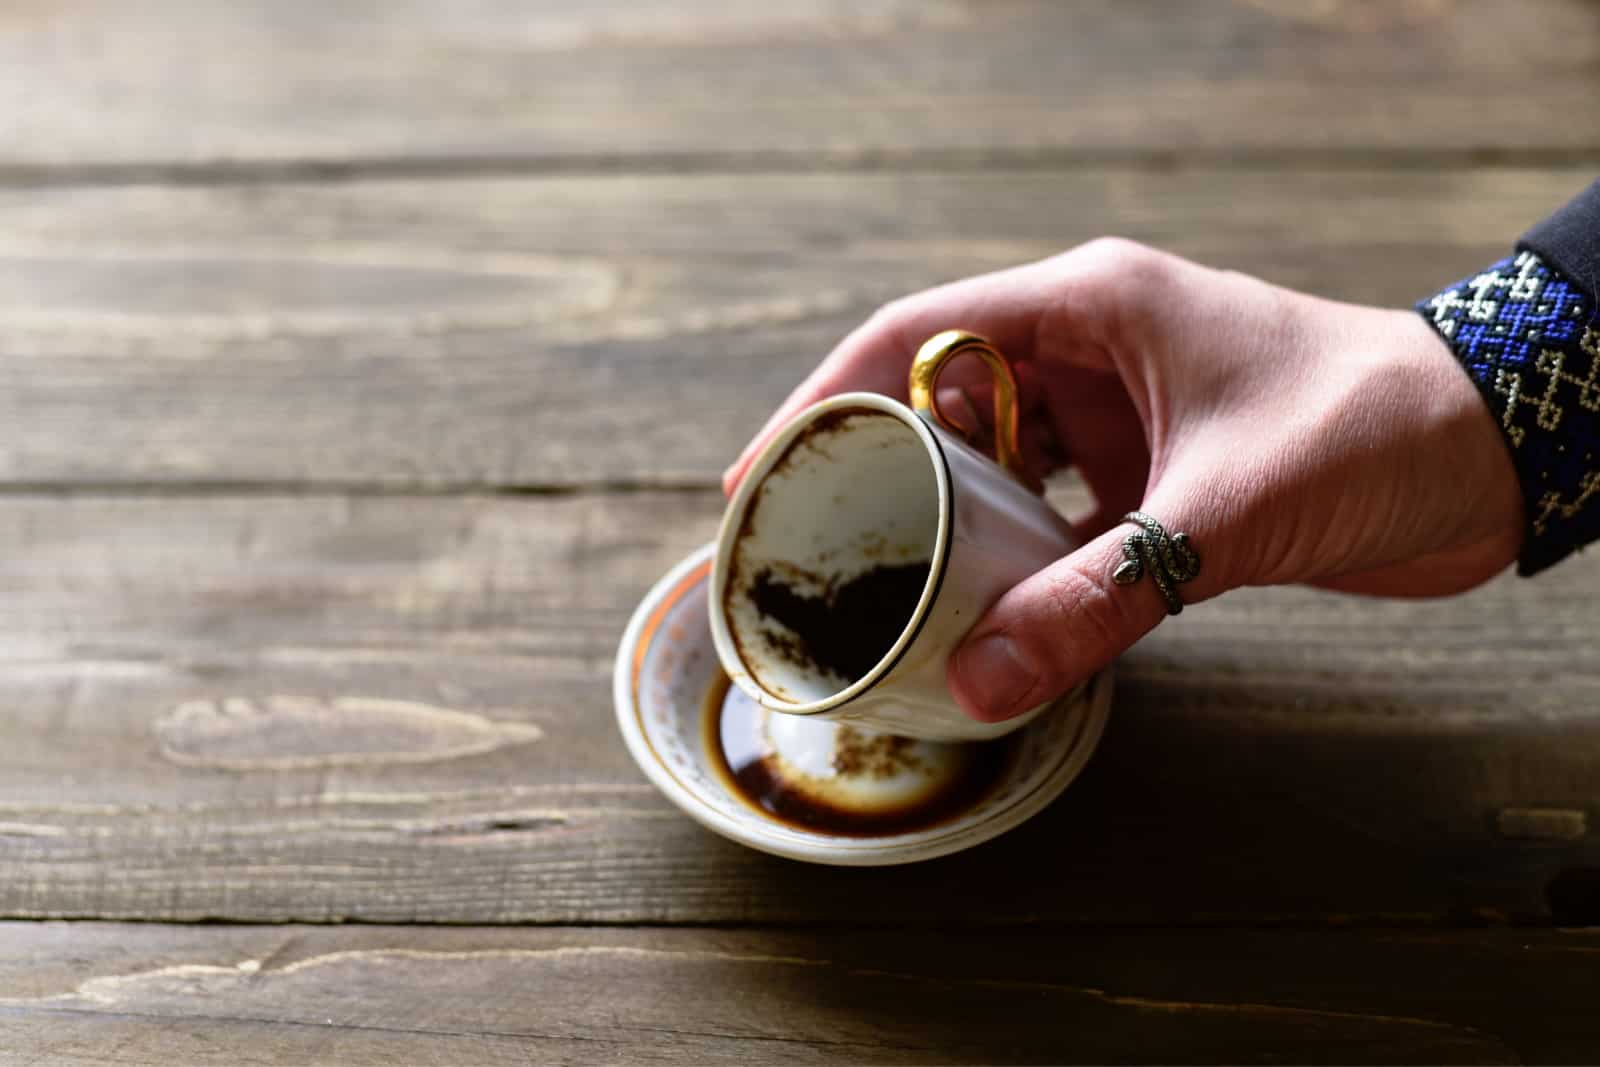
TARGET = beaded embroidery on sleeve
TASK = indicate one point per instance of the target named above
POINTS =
(1531, 342)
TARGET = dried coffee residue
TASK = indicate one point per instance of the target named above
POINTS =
(754, 774)
(857, 754)
(850, 627)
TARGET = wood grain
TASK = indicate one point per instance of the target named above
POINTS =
(102, 84)
(362, 363)
(397, 708)
(583, 332)
(148, 995)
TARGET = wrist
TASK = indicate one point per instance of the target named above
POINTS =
(1458, 425)
(1529, 339)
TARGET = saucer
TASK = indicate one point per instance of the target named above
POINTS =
(667, 664)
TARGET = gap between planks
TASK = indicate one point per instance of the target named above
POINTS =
(778, 162)
(301, 488)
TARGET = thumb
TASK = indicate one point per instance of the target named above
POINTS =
(1059, 626)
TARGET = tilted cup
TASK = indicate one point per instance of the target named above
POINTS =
(860, 481)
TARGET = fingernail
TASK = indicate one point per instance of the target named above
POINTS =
(995, 676)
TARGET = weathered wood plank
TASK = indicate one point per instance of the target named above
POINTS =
(159, 995)
(200, 722)
(102, 82)
(575, 332)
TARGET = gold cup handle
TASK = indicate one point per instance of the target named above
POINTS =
(936, 354)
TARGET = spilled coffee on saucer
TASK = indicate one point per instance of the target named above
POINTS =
(849, 782)
(827, 777)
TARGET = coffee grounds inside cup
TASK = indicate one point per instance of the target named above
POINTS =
(849, 628)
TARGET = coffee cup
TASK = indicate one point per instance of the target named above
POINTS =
(864, 542)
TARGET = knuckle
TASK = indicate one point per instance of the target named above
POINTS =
(894, 321)
(1120, 258)
(891, 311)
(1124, 278)
(1113, 248)
(907, 308)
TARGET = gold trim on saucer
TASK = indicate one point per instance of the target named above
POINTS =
(641, 651)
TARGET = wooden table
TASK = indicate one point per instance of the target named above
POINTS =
(362, 363)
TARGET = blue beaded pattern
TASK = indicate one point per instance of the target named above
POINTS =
(1531, 342)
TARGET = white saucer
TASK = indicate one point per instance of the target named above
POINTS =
(665, 666)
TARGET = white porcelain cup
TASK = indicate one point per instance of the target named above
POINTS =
(861, 480)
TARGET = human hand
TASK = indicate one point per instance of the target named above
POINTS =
(1293, 439)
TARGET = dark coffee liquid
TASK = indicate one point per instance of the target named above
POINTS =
(849, 628)
(730, 726)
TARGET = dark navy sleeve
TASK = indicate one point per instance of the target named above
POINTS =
(1526, 331)
(1569, 240)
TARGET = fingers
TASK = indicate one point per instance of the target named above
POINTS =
(1058, 627)
(1008, 307)
(1051, 632)
(876, 356)
(970, 407)
(1100, 431)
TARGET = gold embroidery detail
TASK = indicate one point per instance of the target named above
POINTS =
(1551, 503)
(1547, 504)
(1509, 385)
(1551, 362)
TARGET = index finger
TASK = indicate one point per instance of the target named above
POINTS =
(1003, 306)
